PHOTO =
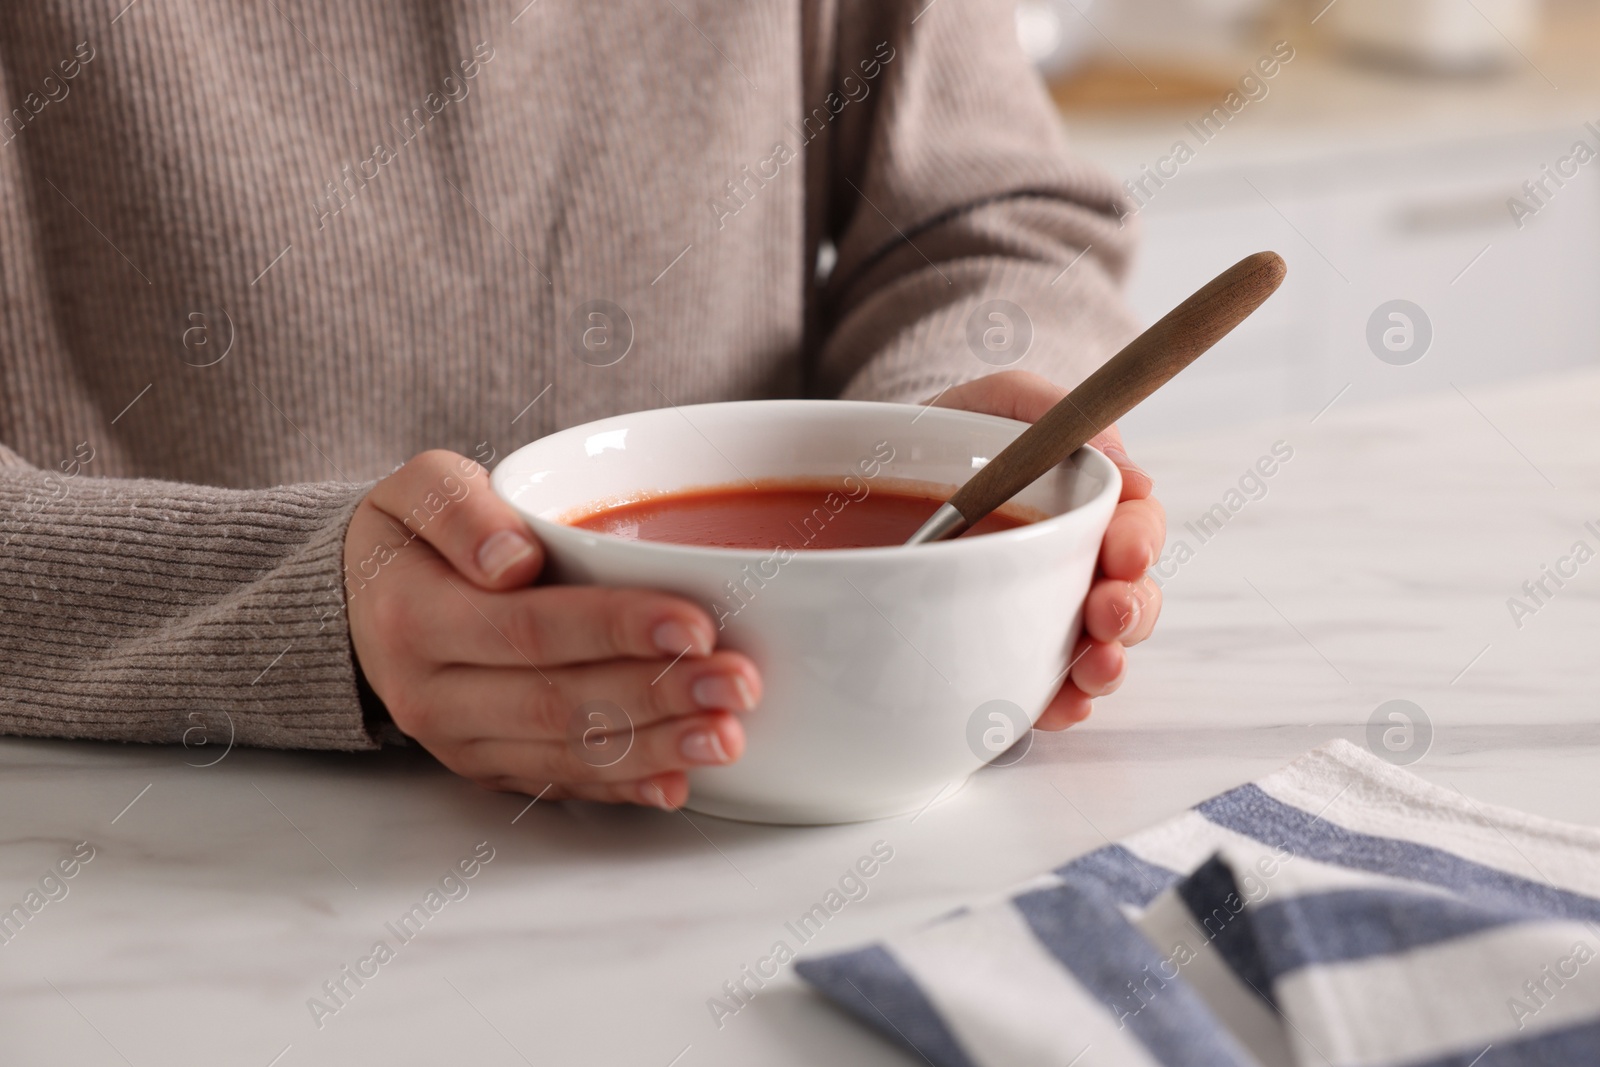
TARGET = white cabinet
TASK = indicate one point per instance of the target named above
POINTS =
(1425, 222)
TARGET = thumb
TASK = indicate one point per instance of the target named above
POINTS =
(446, 500)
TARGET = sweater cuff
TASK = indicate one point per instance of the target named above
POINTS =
(139, 611)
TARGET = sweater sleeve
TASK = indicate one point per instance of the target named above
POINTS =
(136, 610)
(949, 188)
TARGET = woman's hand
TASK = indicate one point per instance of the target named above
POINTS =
(587, 692)
(1122, 605)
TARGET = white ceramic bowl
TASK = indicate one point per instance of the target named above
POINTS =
(890, 674)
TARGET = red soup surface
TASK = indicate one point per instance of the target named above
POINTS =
(780, 515)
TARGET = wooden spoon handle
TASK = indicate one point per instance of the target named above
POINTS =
(1146, 364)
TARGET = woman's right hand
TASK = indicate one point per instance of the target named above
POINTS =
(587, 692)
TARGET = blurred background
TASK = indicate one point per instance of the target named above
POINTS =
(1428, 168)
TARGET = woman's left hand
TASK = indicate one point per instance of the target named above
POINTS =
(1122, 604)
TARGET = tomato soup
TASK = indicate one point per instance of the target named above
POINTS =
(795, 516)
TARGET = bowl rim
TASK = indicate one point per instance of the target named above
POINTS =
(1055, 524)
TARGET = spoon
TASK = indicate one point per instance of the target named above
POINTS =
(1142, 367)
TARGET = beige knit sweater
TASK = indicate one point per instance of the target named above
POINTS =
(256, 254)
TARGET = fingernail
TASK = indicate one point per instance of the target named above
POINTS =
(653, 795)
(672, 637)
(1132, 620)
(503, 550)
(1116, 682)
(703, 746)
(1120, 458)
(723, 692)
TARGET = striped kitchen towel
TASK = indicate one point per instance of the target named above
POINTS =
(1338, 913)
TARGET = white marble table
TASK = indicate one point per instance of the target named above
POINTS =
(1378, 566)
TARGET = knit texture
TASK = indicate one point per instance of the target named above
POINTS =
(254, 256)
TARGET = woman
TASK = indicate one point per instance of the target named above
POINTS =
(252, 257)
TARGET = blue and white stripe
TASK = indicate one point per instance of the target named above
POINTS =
(1338, 913)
